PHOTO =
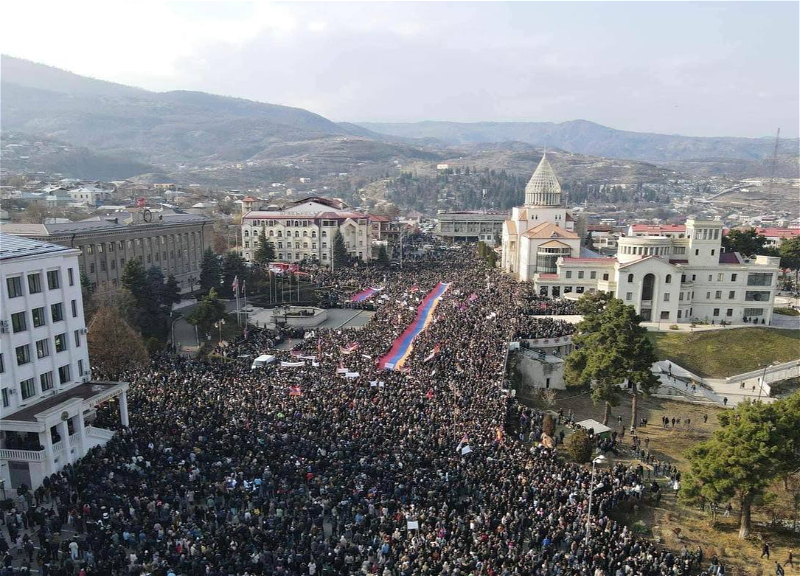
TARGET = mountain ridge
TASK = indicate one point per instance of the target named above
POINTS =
(587, 137)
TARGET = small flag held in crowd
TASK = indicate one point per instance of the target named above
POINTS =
(295, 391)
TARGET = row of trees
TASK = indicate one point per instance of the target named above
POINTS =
(611, 348)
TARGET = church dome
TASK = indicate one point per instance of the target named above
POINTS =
(543, 188)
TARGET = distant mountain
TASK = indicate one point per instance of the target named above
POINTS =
(584, 137)
(159, 128)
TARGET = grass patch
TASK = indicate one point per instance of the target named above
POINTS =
(723, 353)
(787, 311)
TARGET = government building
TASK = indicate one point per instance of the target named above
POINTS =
(304, 230)
(672, 274)
(172, 242)
(49, 400)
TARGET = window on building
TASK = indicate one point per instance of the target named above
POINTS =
(80, 367)
(2, 364)
(718, 294)
(666, 296)
(23, 354)
(716, 312)
(42, 348)
(77, 338)
(57, 312)
(34, 283)
(680, 314)
(580, 274)
(668, 279)
(64, 374)
(14, 285)
(91, 267)
(39, 318)
(6, 401)
(629, 296)
(46, 381)
(697, 252)
(680, 296)
(102, 265)
(756, 296)
(753, 312)
(605, 276)
(630, 277)
(568, 274)
(731, 294)
(27, 388)
(759, 279)
(729, 312)
(593, 275)
(90, 249)
(61, 342)
(18, 322)
(733, 277)
(71, 276)
(54, 279)
(665, 315)
(713, 251)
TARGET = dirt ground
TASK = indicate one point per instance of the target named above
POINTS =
(674, 524)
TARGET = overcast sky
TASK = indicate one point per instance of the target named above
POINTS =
(705, 69)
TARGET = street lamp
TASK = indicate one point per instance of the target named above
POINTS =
(599, 460)
(172, 327)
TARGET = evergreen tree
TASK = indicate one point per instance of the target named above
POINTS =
(757, 444)
(340, 255)
(233, 266)
(172, 291)
(789, 251)
(210, 311)
(134, 279)
(611, 347)
(266, 251)
(383, 256)
(746, 242)
(210, 270)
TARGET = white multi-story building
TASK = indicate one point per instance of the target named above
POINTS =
(305, 229)
(48, 398)
(675, 274)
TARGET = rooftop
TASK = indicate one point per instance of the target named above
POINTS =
(16, 247)
(83, 391)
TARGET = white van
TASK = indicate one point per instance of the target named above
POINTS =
(262, 361)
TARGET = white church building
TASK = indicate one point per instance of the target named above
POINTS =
(541, 231)
(675, 274)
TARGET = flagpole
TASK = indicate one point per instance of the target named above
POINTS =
(236, 296)
(244, 291)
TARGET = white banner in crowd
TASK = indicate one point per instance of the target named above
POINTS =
(292, 364)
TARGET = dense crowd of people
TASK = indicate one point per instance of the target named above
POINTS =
(329, 466)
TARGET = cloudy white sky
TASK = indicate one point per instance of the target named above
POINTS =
(715, 68)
